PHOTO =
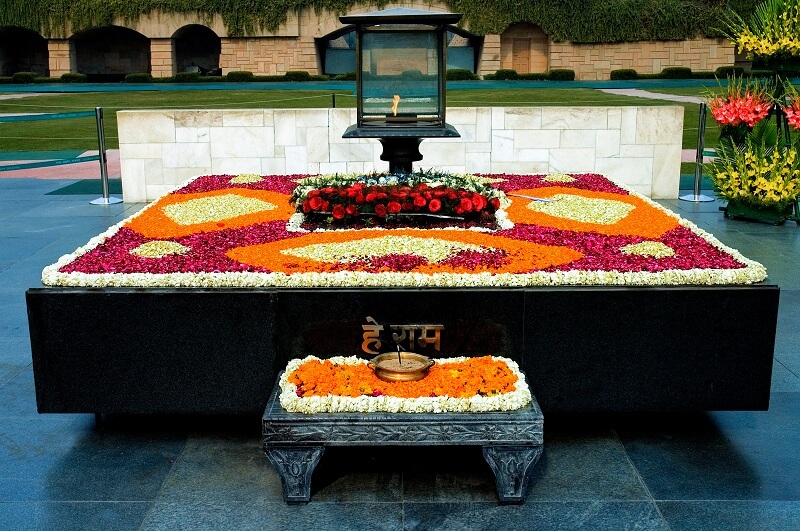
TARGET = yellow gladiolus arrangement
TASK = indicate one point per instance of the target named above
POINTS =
(772, 30)
(759, 173)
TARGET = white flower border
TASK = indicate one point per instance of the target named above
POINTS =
(752, 272)
(390, 404)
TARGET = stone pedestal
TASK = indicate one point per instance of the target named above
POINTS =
(511, 441)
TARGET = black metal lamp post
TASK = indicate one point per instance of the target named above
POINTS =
(400, 81)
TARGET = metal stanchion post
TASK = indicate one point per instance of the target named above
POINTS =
(101, 143)
(697, 197)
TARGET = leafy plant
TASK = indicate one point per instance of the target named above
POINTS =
(73, 77)
(676, 72)
(139, 77)
(460, 74)
(772, 30)
(24, 77)
(758, 173)
(238, 76)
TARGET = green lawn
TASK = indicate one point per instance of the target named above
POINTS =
(80, 133)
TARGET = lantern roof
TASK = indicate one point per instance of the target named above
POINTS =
(402, 15)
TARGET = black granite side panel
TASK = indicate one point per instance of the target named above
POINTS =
(650, 349)
(152, 350)
(326, 322)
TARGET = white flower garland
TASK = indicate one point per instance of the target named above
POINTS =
(392, 404)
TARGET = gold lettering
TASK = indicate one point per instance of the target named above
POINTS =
(372, 334)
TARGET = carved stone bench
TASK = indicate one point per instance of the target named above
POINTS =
(295, 442)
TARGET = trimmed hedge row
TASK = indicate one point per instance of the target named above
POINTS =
(678, 72)
(557, 74)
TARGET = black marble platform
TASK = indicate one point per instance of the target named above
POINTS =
(583, 349)
(295, 442)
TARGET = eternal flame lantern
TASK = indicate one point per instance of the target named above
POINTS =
(400, 81)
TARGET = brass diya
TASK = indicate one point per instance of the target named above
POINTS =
(400, 366)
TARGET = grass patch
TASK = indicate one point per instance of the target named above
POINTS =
(81, 134)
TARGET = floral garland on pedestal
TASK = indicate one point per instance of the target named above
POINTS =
(418, 199)
(340, 384)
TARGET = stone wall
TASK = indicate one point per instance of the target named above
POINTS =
(638, 146)
(594, 62)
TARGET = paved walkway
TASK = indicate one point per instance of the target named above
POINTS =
(81, 170)
(724, 470)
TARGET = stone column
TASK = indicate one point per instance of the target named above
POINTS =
(162, 58)
(490, 55)
(59, 56)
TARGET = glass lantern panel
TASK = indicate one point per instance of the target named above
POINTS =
(400, 74)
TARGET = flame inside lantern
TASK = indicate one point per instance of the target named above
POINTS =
(395, 103)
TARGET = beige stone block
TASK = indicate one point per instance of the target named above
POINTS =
(192, 134)
(134, 181)
(607, 143)
(139, 151)
(243, 117)
(186, 155)
(574, 118)
(659, 125)
(154, 170)
(532, 155)
(353, 152)
(273, 166)
(340, 120)
(459, 116)
(175, 176)
(614, 118)
(572, 159)
(332, 167)
(145, 127)
(317, 144)
(313, 168)
(628, 125)
(204, 118)
(242, 142)
(235, 166)
(478, 162)
(478, 147)
(498, 118)
(285, 128)
(628, 171)
(536, 139)
(666, 172)
(311, 117)
(437, 153)
(483, 124)
(636, 150)
(571, 138)
(520, 167)
(357, 167)
(502, 146)
(296, 160)
(523, 118)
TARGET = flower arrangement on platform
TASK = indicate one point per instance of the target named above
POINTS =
(792, 107)
(378, 198)
(740, 105)
(772, 30)
(339, 384)
(238, 231)
(760, 173)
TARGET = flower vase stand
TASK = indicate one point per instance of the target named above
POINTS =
(511, 441)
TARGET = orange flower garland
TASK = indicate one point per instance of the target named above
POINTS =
(482, 376)
(522, 256)
(156, 223)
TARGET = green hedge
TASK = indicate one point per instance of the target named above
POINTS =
(24, 78)
(585, 21)
(624, 74)
(73, 77)
(557, 74)
(139, 77)
(238, 76)
(460, 74)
